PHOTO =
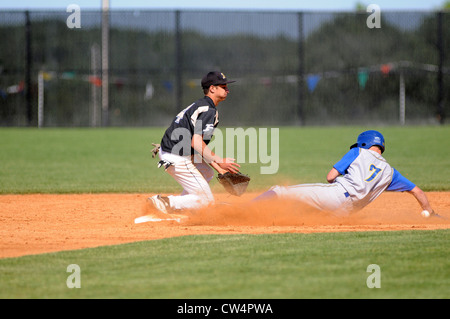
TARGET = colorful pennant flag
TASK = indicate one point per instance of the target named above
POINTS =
(312, 81)
(385, 69)
(363, 76)
(95, 80)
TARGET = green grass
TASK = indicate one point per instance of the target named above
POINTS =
(413, 264)
(78, 160)
(118, 159)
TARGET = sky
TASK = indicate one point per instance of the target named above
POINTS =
(281, 5)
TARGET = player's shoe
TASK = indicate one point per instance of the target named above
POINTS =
(161, 203)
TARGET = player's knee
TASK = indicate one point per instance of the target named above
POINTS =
(276, 189)
(206, 199)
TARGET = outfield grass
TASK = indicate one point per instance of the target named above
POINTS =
(118, 159)
(413, 264)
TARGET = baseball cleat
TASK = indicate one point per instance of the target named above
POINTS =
(160, 203)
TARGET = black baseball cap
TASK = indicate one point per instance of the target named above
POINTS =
(214, 78)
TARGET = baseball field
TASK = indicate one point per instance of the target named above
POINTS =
(70, 196)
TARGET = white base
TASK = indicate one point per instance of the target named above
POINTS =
(150, 218)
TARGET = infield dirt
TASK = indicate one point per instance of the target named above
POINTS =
(41, 223)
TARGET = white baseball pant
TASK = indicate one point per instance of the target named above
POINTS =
(194, 175)
(327, 197)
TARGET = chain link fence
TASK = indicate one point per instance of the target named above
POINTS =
(292, 68)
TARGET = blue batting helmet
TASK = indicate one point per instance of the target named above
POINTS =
(368, 139)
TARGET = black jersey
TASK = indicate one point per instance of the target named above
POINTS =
(201, 117)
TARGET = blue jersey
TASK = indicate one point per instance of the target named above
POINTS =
(400, 183)
(366, 174)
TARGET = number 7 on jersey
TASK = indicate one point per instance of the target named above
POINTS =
(374, 174)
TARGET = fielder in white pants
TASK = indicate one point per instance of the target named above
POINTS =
(184, 151)
(194, 176)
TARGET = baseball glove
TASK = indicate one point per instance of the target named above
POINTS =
(236, 184)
